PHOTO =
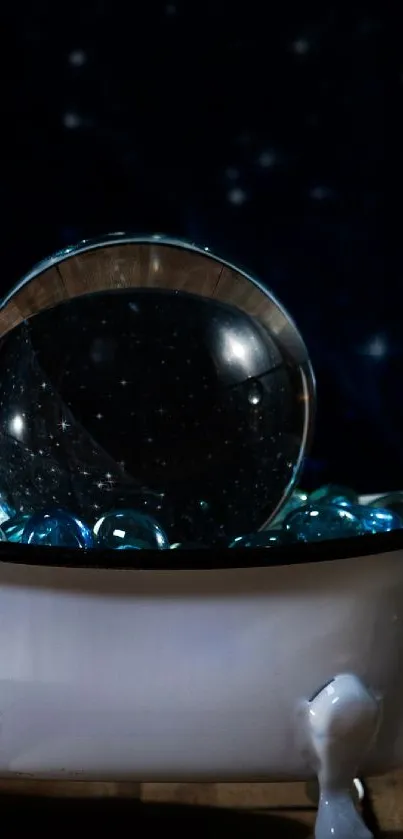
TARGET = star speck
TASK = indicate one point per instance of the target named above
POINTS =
(301, 46)
(71, 120)
(237, 196)
(267, 159)
(77, 58)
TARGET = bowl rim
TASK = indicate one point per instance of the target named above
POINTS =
(208, 559)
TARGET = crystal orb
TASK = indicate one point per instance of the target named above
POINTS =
(148, 374)
(57, 528)
(123, 529)
(315, 522)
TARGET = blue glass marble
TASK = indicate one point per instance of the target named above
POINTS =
(132, 546)
(391, 501)
(263, 539)
(315, 522)
(57, 528)
(130, 528)
(187, 546)
(377, 520)
(6, 511)
(333, 494)
(14, 527)
(297, 499)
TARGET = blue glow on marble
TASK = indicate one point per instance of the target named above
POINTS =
(297, 499)
(6, 511)
(57, 528)
(263, 539)
(129, 527)
(14, 527)
(313, 523)
(132, 546)
(341, 496)
(390, 501)
(378, 520)
(187, 546)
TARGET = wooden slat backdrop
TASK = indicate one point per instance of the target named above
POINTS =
(289, 800)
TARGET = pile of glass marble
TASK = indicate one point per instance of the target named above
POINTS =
(330, 512)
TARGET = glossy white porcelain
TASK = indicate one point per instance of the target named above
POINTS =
(170, 675)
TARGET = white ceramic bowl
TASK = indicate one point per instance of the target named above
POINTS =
(207, 664)
(196, 671)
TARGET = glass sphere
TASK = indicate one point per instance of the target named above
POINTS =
(123, 529)
(313, 523)
(147, 374)
(57, 528)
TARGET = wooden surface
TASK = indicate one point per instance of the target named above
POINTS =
(295, 801)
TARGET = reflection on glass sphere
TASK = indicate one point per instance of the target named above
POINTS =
(13, 529)
(333, 494)
(378, 520)
(151, 377)
(392, 501)
(274, 538)
(314, 522)
(58, 529)
(123, 529)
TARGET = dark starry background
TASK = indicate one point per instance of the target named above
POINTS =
(257, 129)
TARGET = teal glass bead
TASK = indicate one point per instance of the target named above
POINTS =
(14, 528)
(6, 511)
(391, 501)
(341, 496)
(297, 499)
(263, 539)
(57, 528)
(377, 520)
(132, 546)
(129, 529)
(316, 522)
(187, 546)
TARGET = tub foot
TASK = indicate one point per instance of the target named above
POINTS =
(343, 719)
